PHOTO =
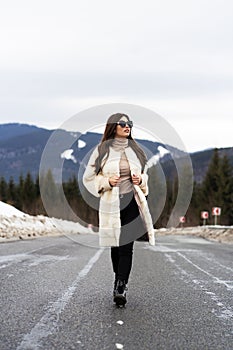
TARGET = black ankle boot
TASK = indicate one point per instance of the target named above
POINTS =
(120, 293)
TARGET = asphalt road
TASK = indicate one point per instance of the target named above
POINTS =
(57, 294)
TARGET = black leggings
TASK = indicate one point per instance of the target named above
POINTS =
(122, 258)
(131, 229)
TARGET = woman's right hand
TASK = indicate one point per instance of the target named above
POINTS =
(114, 180)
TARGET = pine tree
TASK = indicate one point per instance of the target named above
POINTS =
(211, 185)
(20, 193)
(37, 187)
(168, 205)
(226, 186)
(71, 193)
(50, 195)
(3, 189)
(11, 192)
(29, 194)
(217, 188)
(157, 193)
(195, 208)
(39, 208)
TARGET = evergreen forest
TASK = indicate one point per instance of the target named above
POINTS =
(216, 190)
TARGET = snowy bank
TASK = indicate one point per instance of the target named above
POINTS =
(14, 224)
(223, 234)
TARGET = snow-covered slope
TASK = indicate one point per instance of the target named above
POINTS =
(15, 224)
(9, 210)
(223, 234)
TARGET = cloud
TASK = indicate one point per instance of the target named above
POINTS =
(59, 57)
(169, 84)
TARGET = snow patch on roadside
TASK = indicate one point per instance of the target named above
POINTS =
(9, 211)
(223, 234)
(14, 224)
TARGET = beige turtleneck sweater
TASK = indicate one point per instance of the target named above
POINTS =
(125, 184)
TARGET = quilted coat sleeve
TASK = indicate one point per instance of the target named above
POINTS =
(95, 184)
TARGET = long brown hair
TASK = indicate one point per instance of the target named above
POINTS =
(107, 140)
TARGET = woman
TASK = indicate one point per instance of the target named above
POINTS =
(116, 173)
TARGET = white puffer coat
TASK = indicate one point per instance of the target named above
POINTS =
(109, 208)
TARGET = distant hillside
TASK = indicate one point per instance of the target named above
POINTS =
(21, 148)
(200, 161)
(10, 130)
(22, 145)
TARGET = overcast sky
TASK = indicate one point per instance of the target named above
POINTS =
(174, 57)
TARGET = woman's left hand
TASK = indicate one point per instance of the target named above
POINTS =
(136, 179)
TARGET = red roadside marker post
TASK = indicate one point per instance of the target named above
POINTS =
(216, 211)
(204, 216)
(182, 220)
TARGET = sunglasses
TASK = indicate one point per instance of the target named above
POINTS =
(123, 124)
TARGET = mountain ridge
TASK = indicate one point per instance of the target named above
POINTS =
(22, 145)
